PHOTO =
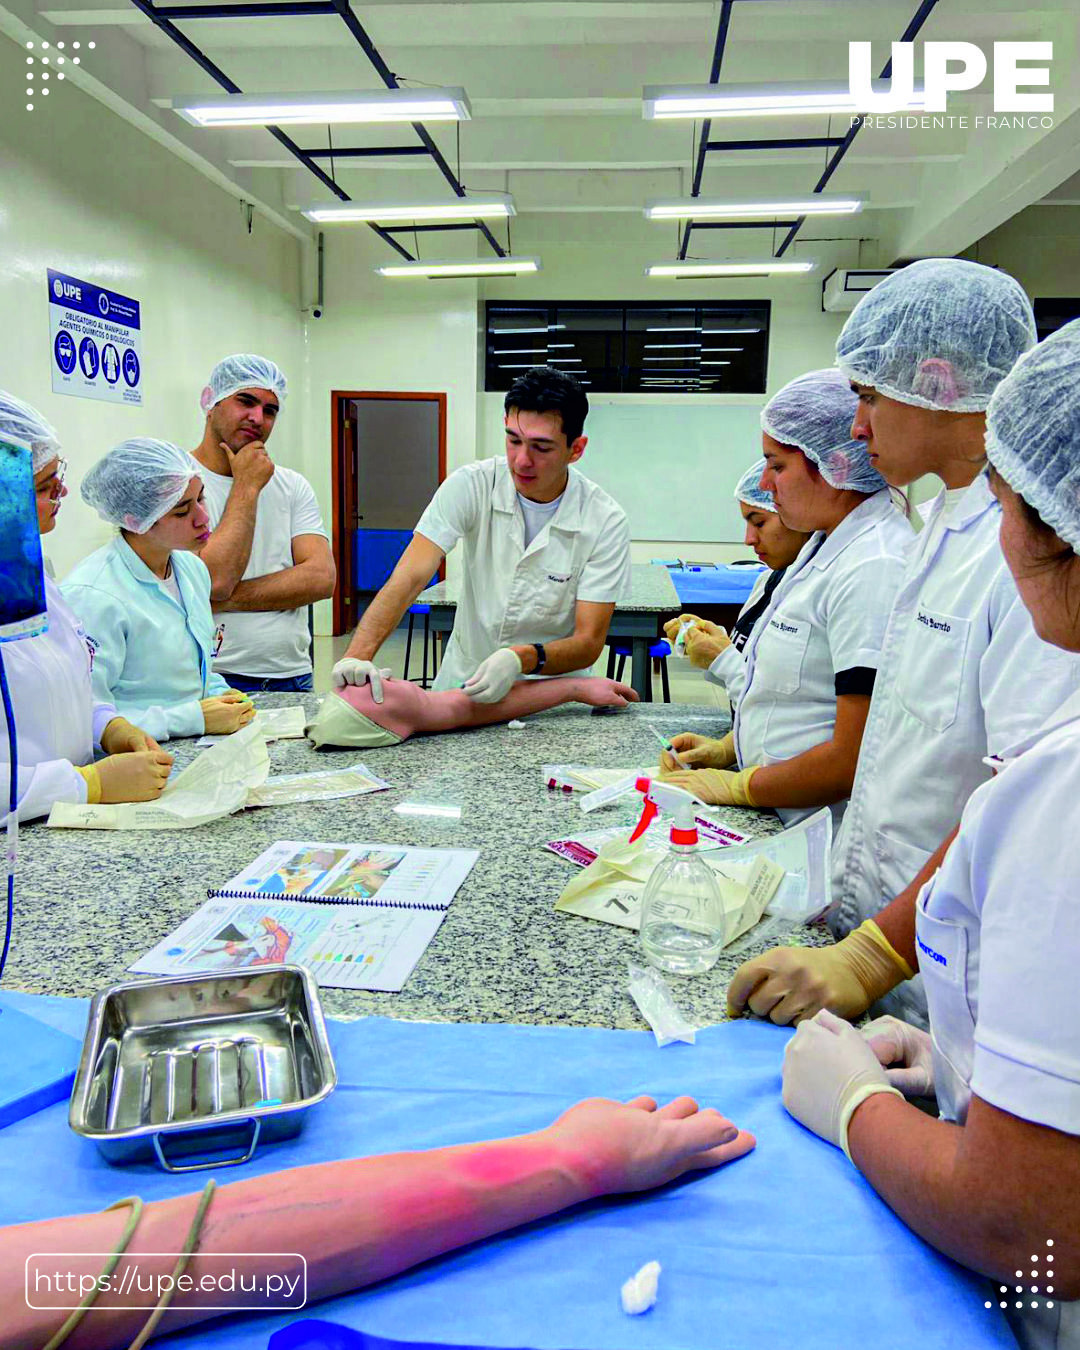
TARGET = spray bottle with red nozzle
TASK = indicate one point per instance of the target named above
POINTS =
(683, 923)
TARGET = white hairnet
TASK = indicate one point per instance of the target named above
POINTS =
(815, 412)
(22, 425)
(941, 333)
(1033, 431)
(748, 491)
(138, 481)
(242, 371)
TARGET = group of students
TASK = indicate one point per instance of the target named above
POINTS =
(928, 682)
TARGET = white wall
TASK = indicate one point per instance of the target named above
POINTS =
(93, 197)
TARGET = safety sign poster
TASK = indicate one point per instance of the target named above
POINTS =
(96, 341)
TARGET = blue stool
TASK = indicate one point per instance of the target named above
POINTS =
(659, 651)
(425, 610)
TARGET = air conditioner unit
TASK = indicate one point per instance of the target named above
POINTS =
(843, 288)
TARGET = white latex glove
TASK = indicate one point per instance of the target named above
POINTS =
(494, 677)
(829, 1070)
(350, 670)
(905, 1052)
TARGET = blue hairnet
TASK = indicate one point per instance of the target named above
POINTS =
(748, 491)
(815, 412)
(138, 481)
(242, 371)
(941, 333)
(1033, 431)
(22, 425)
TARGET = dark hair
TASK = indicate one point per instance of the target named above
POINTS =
(545, 389)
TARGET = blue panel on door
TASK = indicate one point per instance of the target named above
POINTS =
(376, 554)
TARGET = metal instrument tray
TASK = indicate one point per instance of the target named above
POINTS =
(189, 1068)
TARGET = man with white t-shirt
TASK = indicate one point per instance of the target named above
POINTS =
(546, 555)
(268, 555)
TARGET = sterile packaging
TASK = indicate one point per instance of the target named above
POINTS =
(650, 992)
(440, 799)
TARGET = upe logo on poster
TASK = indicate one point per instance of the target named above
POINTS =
(954, 67)
(64, 290)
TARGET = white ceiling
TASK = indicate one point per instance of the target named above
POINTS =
(555, 87)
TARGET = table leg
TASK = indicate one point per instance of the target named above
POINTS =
(639, 669)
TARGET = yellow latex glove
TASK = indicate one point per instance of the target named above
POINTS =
(791, 984)
(700, 752)
(226, 713)
(137, 776)
(671, 628)
(93, 782)
(717, 787)
(122, 737)
(702, 647)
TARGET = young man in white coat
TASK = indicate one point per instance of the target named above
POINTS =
(547, 555)
(962, 672)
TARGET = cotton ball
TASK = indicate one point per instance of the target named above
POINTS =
(638, 1294)
(515, 725)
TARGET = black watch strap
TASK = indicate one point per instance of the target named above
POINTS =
(541, 657)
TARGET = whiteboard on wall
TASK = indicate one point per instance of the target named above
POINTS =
(673, 468)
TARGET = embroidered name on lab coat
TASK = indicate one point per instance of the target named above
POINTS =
(933, 955)
(782, 627)
(554, 576)
(935, 624)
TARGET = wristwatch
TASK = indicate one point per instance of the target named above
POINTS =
(541, 658)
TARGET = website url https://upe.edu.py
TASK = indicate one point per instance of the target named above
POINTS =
(955, 122)
(223, 1281)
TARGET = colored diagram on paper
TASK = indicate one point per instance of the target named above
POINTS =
(299, 873)
(365, 875)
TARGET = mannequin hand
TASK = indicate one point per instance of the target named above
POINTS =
(715, 787)
(349, 670)
(906, 1053)
(494, 677)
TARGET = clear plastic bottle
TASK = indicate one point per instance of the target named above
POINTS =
(683, 923)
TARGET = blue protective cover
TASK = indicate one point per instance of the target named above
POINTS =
(788, 1247)
(37, 1063)
(719, 586)
(313, 1333)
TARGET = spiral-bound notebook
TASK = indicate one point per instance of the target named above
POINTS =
(359, 916)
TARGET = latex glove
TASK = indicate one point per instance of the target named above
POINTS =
(138, 777)
(716, 787)
(226, 713)
(703, 648)
(789, 984)
(700, 752)
(829, 1071)
(632, 1146)
(350, 670)
(121, 736)
(671, 628)
(906, 1053)
(494, 677)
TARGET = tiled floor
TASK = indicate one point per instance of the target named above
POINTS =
(687, 684)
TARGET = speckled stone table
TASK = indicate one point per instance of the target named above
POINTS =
(90, 902)
(636, 619)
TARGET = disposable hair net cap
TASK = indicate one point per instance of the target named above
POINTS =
(22, 425)
(748, 491)
(941, 333)
(138, 482)
(245, 370)
(815, 412)
(1033, 431)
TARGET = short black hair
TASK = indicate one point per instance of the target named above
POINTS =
(545, 389)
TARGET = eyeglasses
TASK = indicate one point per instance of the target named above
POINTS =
(53, 486)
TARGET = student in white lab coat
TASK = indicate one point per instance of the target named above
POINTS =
(145, 596)
(963, 672)
(546, 555)
(995, 1182)
(812, 658)
(708, 645)
(58, 721)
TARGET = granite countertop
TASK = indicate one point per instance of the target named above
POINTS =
(90, 902)
(651, 588)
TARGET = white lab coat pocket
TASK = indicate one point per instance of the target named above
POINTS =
(932, 667)
(780, 653)
(942, 946)
(898, 863)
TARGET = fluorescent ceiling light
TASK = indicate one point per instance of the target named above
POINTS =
(498, 205)
(736, 332)
(525, 365)
(767, 100)
(716, 363)
(710, 208)
(553, 345)
(670, 358)
(728, 267)
(721, 349)
(462, 267)
(673, 330)
(374, 105)
(651, 346)
(565, 361)
(517, 351)
(505, 332)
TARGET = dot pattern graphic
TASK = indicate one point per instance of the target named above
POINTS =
(1034, 1289)
(48, 63)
